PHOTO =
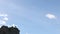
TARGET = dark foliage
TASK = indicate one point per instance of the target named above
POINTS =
(9, 30)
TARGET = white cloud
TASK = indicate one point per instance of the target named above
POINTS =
(5, 15)
(50, 16)
(3, 22)
(3, 19)
(14, 25)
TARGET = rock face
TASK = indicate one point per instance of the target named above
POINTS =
(9, 30)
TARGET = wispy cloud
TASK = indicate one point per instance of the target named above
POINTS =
(50, 16)
(3, 19)
(9, 25)
(14, 25)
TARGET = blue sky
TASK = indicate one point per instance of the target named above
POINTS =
(32, 16)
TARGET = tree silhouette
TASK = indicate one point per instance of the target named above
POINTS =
(9, 30)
